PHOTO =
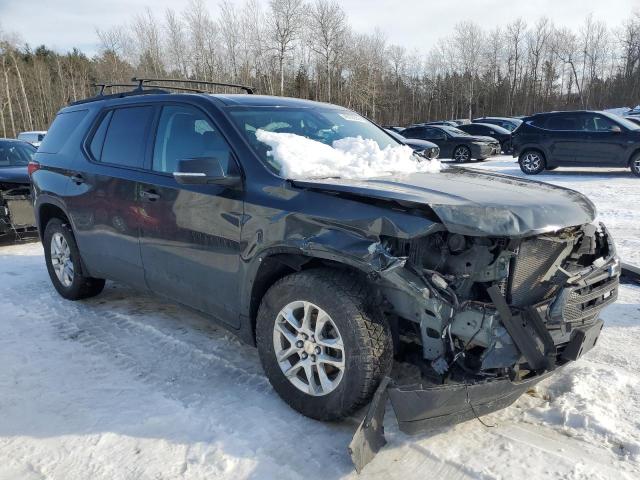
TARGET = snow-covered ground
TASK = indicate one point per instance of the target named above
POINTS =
(126, 386)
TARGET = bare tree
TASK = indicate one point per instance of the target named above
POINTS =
(284, 26)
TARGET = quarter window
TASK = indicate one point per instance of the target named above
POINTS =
(185, 133)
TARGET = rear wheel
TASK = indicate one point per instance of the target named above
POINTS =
(532, 162)
(322, 346)
(64, 264)
(462, 154)
(635, 165)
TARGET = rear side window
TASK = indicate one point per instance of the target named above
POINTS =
(126, 136)
(61, 130)
(565, 122)
(98, 138)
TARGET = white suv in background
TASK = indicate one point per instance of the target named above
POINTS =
(34, 138)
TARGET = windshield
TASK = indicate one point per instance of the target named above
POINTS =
(456, 132)
(303, 143)
(321, 125)
(15, 154)
(622, 121)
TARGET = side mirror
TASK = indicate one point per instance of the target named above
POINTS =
(615, 129)
(204, 171)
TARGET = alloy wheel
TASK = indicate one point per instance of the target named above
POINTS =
(532, 162)
(61, 259)
(309, 348)
(461, 154)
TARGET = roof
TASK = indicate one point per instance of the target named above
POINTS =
(241, 99)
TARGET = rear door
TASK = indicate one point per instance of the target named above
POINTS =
(566, 139)
(190, 234)
(103, 198)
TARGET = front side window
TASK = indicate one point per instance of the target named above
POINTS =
(126, 136)
(15, 154)
(598, 123)
(185, 133)
(322, 125)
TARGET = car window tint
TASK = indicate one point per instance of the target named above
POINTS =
(15, 154)
(95, 147)
(598, 123)
(185, 133)
(126, 136)
(61, 130)
(565, 122)
(413, 133)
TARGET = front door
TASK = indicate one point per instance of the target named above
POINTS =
(605, 144)
(190, 235)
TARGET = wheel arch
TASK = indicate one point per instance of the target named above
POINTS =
(47, 210)
(277, 264)
(633, 154)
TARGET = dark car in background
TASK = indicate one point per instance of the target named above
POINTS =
(489, 130)
(579, 138)
(16, 212)
(425, 148)
(454, 143)
(507, 123)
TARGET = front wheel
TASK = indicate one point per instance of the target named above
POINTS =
(635, 165)
(64, 265)
(462, 154)
(532, 162)
(322, 346)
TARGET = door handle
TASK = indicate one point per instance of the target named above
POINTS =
(149, 195)
(77, 178)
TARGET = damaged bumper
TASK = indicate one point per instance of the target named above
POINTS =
(16, 211)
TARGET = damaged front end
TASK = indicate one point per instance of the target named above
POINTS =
(16, 209)
(478, 321)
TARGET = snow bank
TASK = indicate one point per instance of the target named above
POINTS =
(303, 158)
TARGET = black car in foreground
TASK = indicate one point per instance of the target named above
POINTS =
(427, 149)
(576, 138)
(507, 123)
(488, 130)
(16, 213)
(454, 143)
(475, 285)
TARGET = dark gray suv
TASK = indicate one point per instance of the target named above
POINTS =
(475, 285)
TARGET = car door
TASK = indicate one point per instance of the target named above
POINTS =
(190, 234)
(566, 139)
(605, 141)
(103, 199)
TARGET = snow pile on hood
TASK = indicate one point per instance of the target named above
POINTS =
(353, 157)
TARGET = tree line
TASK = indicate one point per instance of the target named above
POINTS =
(308, 50)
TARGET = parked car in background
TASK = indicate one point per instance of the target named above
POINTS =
(34, 138)
(448, 123)
(454, 143)
(505, 122)
(478, 285)
(427, 149)
(16, 211)
(576, 138)
(489, 130)
(395, 128)
(633, 118)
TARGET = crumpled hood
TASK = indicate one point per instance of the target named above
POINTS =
(14, 175)
(474, 202)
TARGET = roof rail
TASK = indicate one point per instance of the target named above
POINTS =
(142, 81)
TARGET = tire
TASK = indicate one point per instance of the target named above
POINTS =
(462, 154)
(532, 162)
(634, 164)
(366, 340)
(72, 284)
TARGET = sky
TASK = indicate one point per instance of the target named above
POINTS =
(416, 24)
